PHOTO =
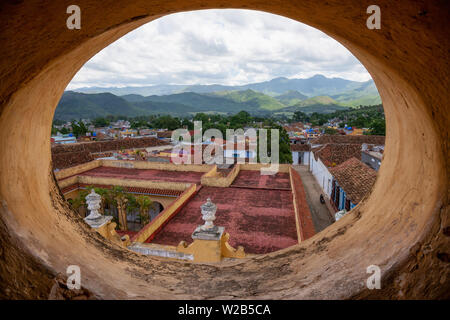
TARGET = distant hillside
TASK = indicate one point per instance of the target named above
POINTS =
(280, 95)
(344, 91)
(319, 100)
(319, 104)
(291, 97)
(366, 95)
(75, 105)
(319, 108)
(202, 102)
(253, 99)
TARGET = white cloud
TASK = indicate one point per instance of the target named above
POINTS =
(227, 47)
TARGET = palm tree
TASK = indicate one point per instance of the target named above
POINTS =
(144, 203)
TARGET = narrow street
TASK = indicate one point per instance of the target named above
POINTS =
(321, 215)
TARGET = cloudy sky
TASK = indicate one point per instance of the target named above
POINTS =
(227, 47)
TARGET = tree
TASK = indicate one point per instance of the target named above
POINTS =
(79, 203)
(144, 204)
(240, 119)
(377, 127)
(78, 128)
(101, 122)
(285, 154)
(300, 116)
(64, 131)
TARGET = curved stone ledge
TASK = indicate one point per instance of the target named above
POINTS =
(400, 227)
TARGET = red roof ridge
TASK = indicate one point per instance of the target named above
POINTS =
(355, 177)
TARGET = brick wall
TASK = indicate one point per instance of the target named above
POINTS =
(68, 155)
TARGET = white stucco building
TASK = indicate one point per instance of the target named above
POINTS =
(300, 153)
(321, 173)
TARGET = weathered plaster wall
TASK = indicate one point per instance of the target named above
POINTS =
(403, 226)
(258, 166)
(215, 179)
(68, 172)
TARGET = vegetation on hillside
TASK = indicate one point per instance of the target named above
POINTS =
(279, 96)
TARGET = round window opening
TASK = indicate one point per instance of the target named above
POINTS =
(274, 123)
(402, 219)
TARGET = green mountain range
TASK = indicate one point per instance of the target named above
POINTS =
(277, 96)
(317, 85)
(291, 97)
(251, 98)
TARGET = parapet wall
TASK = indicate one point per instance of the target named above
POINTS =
(67, 172)
(156, 165)
(69, 159)
(107, 181)
(67, 155)
(149, 230)
(282, 167)
(108, 145)
(215, 179)
(303, 218)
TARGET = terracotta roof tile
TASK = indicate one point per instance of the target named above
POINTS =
(164, 134)
(300, 147)
(333, 154)
(336, 138)
(355, 177)
(162, 192)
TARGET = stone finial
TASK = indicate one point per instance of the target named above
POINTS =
(95, 219)
(208, 214)
(93, 201)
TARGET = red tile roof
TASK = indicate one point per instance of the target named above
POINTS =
(336, 138)
(153, 191)
(300, 147)
(164, 134)
(355, 177)
(254, 179)
(259, 220)
(294, 127)
(332, 154)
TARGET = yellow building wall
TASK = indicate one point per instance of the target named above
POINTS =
(214, 179)
(282, 167)
(64, 173)
(134, 183)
